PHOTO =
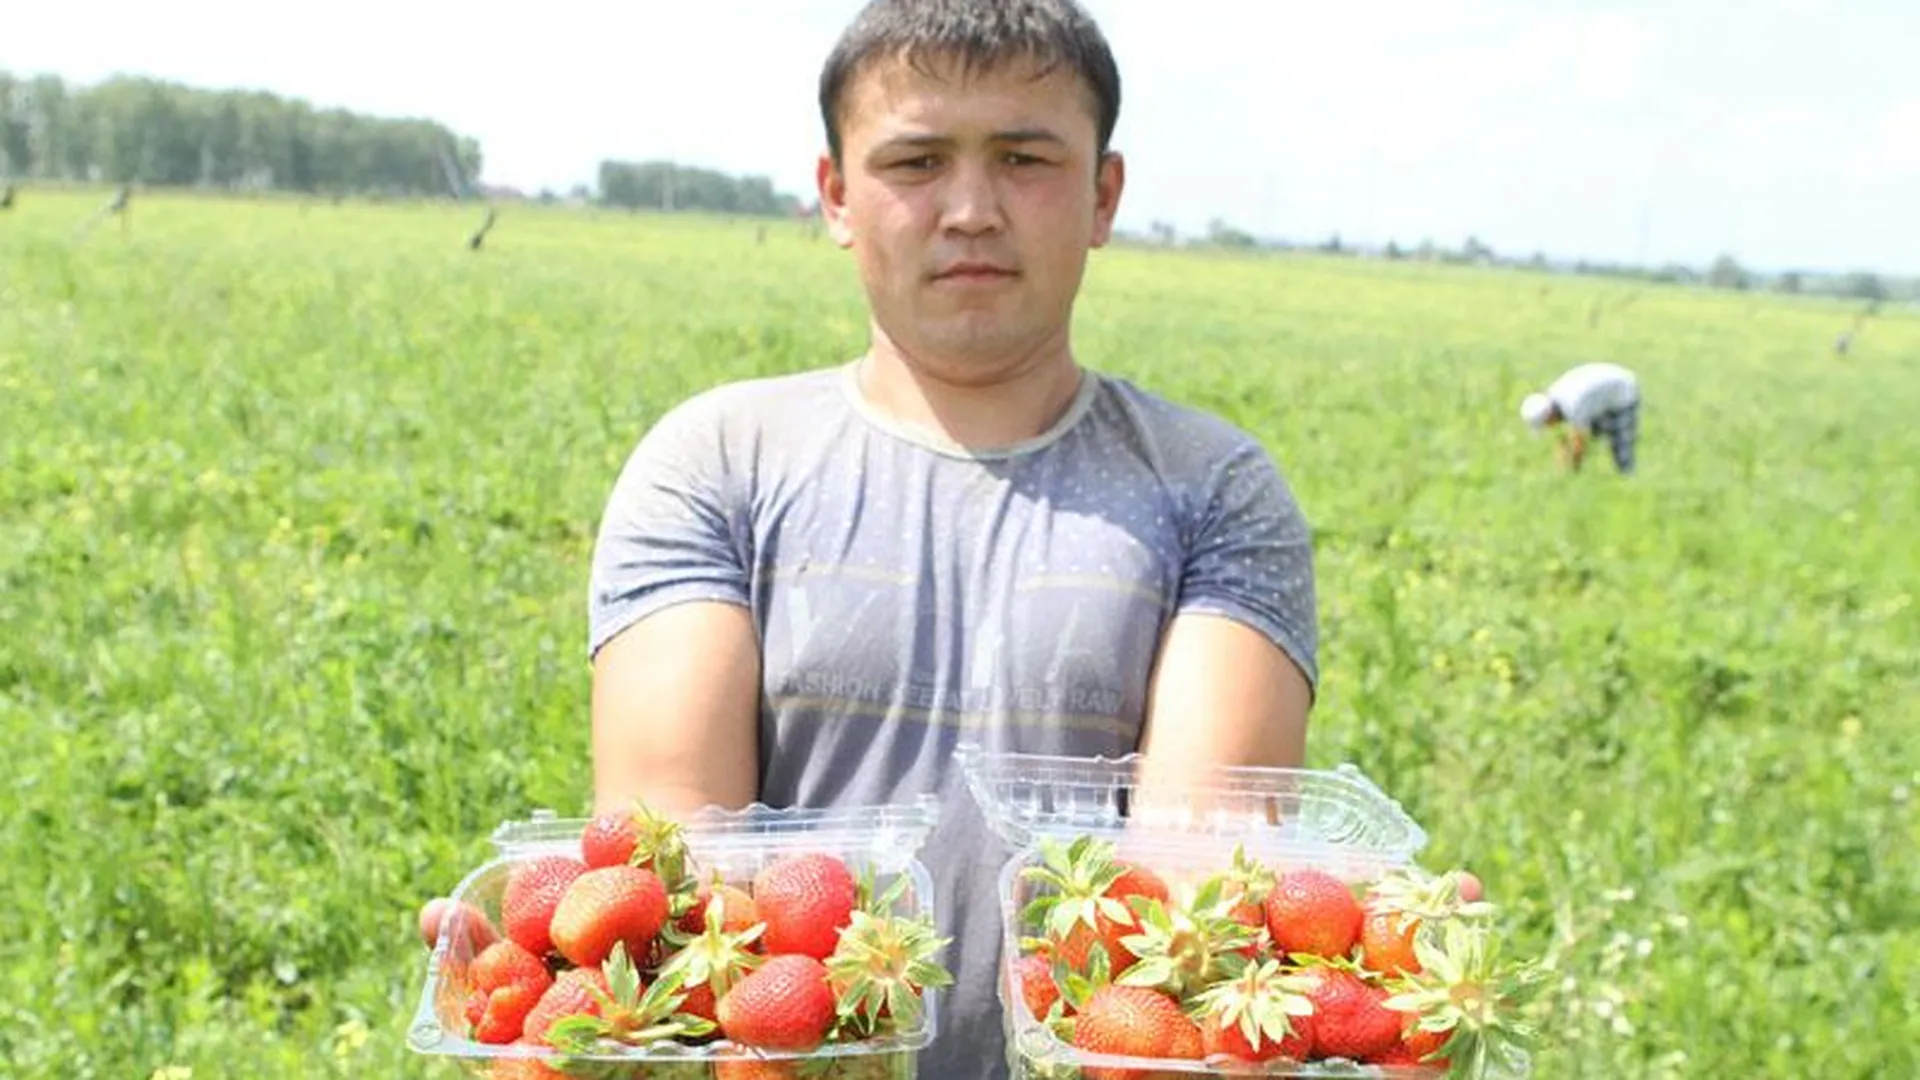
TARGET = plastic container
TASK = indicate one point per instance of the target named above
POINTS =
(884, 840)
(1335, 820)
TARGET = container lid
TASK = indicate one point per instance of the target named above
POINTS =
(1275, 811)
(890, 830)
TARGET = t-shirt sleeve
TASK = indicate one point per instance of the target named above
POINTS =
(1250, 557)
(671, 531)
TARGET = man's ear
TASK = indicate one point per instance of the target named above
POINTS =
(832, 185)
(1109, 177)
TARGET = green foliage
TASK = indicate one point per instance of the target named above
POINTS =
(297, 500)
(148, 131)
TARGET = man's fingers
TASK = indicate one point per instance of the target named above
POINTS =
(1470, 889)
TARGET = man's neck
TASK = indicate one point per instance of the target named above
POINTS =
(1018, 403)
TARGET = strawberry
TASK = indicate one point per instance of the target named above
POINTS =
(1037, 988)
(739, 907)
(506, 962)
(575, 992)
(1312, 912)
(533, 890)
(1386, 941)
(1414, 1048)
(507, 982)
(614, 904)
(882, 965)
(784, 1004)
(1184, 946)
(1257, 1015)
(506, 1011)
(631, 1013)
(1133, 1021)
(805, 900)
(1396, 907)
(711, 962)
(1465, 1000)
(639, 837)
(1350, 1015)
(1087, 901)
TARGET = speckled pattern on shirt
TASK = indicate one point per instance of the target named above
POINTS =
(910, 595)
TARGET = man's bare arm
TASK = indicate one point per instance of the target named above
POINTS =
(676, 707)
(1221, 694)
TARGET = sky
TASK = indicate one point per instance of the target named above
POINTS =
(1785, 133)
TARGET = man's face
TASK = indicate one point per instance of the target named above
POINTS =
(970, 207)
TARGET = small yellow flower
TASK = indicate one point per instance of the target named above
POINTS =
(1850, 727)
(349, 1038)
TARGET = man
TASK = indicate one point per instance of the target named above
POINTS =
(807, 590)
(1592, 399)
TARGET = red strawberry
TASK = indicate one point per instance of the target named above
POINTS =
(1386, 941)
(506, 1012)
(1257, 1015)
(572, 994)
(736, 904)
(1136, 1022)
(609, 839)
(1218, 1036)
(604, 907)
(784, 1004)
(533, 890)
(506, 962)
(805, 900)
(1311, 911)
(638, 837)
(507, 982)
(1037, 987)
(1350, 1016)
(1077, 946)
(1413, 1048)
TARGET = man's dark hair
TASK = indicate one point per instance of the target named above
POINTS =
(982, 35)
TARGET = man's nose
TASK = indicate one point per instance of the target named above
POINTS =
(972, 201)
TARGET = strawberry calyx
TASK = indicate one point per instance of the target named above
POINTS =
(1248, 880)
(1080, 875)
(715, 958)
(880, 967)
(1261, 1003)
(1468, 993)
(1184, 946)
(630, 1014)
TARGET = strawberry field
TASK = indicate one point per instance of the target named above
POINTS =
(297, 502)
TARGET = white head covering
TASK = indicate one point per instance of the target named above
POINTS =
(1535, 410)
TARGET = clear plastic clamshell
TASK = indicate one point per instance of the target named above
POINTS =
(735, 844)
(1333, 819)
(1283, 814)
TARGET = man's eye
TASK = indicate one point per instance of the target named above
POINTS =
(1014, 157)
(925, 161)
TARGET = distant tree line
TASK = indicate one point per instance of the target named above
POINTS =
(145, 131)
(1725, 272)
(667, 186)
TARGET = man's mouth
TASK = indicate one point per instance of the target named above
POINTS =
(973, 271)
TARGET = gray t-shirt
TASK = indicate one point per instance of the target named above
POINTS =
(910, 595)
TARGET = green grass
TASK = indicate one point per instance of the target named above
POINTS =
(297, 502)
